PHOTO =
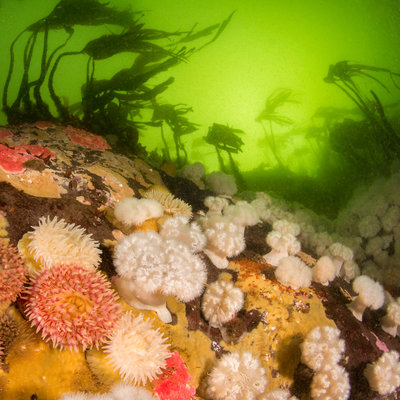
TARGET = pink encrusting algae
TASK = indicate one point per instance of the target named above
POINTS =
(12, 159)
(72, 306)
(86, 139)
(13, 272)
(173, 383)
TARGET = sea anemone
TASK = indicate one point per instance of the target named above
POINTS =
(293, 272)
(215, 204)
(151, 268)
(133, 211)
(339, 254)
(179, 228)
(221, 301)
(322, 348)
(221, 183)
(391, 321)
(370, 294)
(278, 394)
(54, 242)
(282, 245)
(242, 214)
(384, 374)
(236, 377)
(72, 306)
(225, 239)
(331, 383)
(136, 350)
(283, 226)
(13, 272)
(171, 204)
(324, 271)
(194, 172)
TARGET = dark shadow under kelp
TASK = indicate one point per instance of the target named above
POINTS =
(111, 106)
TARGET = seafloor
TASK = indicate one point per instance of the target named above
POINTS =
(81, 182)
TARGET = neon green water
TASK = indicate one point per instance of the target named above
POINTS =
(267, 45)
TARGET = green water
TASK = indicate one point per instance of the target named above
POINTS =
(267, 45)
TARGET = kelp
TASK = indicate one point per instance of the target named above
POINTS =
(108, 106)
(226, 138)
(173, 116)
(275, 100)
(380, 142)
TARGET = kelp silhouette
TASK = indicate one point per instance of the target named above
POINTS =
(108, 105)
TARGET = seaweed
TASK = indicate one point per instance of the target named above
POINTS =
(108, 106)
(173, 116)
(275, 100)
(378, 144)
(225, 138)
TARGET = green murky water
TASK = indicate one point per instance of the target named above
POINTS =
(262, 79)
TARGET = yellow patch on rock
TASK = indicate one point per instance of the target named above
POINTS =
(35, 183)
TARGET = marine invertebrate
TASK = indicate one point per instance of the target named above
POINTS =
(322, 348)
(221, 183)
(151, 268)
(13, 273)
(54, 242)
(369, 226)
(136, 350)
(178, 227)
(194, 172)
(120, 391)
(339, 254)
(173, 383)
(236, 376)
(370, 294)
(293, 272)
(171, 204)
(383, 375)
(283, 226)
(282, 245)
(349, 270)
(123, 391)
(221, 301)
(215, 204)
(278, 394)
(324, 271)
(72, 306)
(391, 321)
(331, 383)
(224, 239)
(133, 211)
(242, 213)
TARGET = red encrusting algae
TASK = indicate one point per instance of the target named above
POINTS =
(13, 158)
(86, 139)
(173, 384)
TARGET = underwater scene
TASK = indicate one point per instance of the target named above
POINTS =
(199, 200)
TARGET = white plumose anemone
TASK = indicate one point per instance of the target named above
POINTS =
(236, 377)
(136, 350)
(221, 301)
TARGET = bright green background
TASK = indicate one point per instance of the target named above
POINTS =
(267, 45)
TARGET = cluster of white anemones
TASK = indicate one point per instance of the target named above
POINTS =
(321, 351)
